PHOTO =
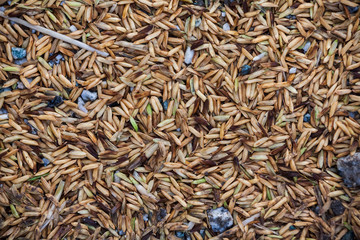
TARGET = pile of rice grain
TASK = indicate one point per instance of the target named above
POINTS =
(238, 106)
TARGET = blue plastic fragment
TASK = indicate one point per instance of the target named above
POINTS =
(352, 9)
(180, 234)
(245, 70)
(352, 114)
(46, 161)
(292, 227)
(307, 117)
(165, 105)
(5, 89)
(18, 53)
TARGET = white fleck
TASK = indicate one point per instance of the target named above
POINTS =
(4, 116)
(250, 219)
(178, 28)
(260, 56)
(88, 96)
(223, 14)
(72, 28)
(307, 46)
(189, 54)
(197, 22)
(226, 27)
(292, 70)
(116, 177)
(190, 225)
(20, 85)
(81, 104)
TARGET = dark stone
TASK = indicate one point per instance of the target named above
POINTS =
(352, 9)
(180, 234)
(161, 214)
(349, 169)
(220, 219)
(349, 236)
(199, 3)
(33, 130)
(290, 16)
(337, 207)
(316, 209)
(57, 101)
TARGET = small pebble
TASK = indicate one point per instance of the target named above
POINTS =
(349, 169)
(178, 129)
(245, 70)
(292, 70)
(20, 61)
(81, 104)
(352, 9)
(198, 22)
(88, 96)
(307, 117)
(121, 233)
(46, 161)
(349, 236)
(57, 101)
(306, 47)
(165, 105)
(199, 3)
(290, 16)
(5, 89)
(220, 219)
(292, 227)
(18, 53)
(337, 207)
(33, 130)
(189, 54)
(202, 233)
(179, 234)
(223, 14)
(353, 114)
(161, 214)
(226, 27)
(20, 85)
(316, 209)
(72, 28)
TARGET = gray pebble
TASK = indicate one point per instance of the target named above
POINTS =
(220, 219)
(349, 169)
(88, 96)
